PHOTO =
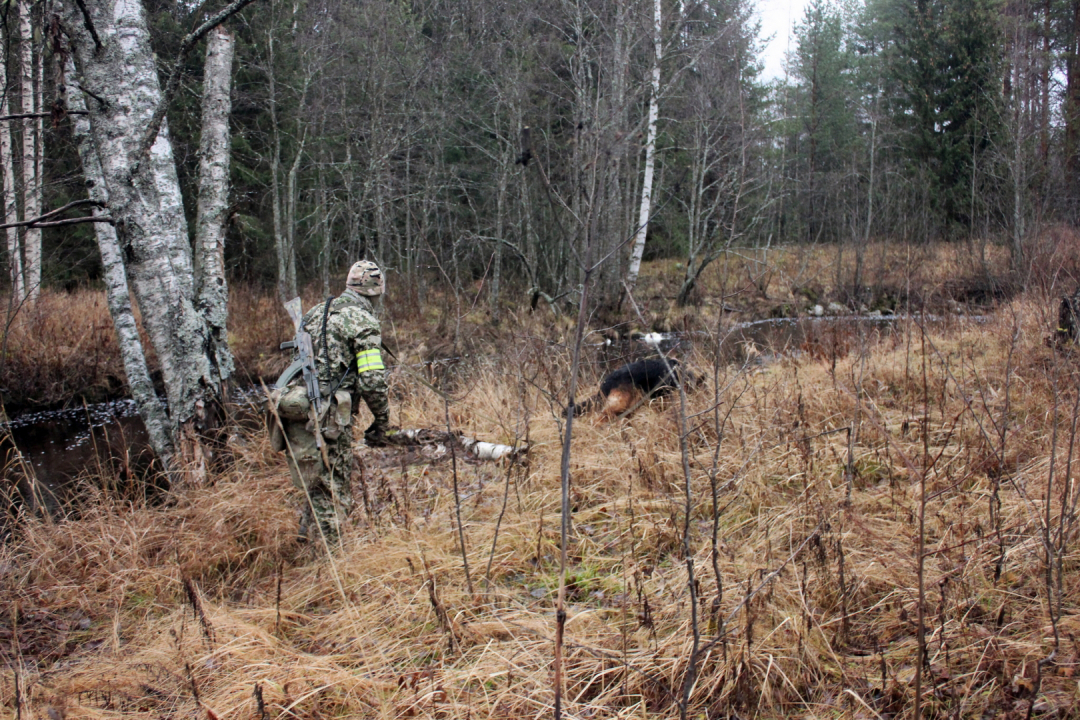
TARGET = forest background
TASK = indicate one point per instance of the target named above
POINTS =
(512, 163)
(403, 132)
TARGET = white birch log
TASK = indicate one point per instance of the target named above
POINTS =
(117, 294)
(30, 187)
(477, 449)
(490, 451)
(212, 293)
(10, 202)
(650, 155)
(144, 197)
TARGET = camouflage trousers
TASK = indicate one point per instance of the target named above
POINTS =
(327, 492)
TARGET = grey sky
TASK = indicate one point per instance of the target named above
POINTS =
(777, 19)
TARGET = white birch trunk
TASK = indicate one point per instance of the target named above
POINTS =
(117, 293)
(31, 189)
(212, 293)
(324, 222)
(500, 233)
(145, 200)
(291, 200)
(39, 153)
(860, 250)
(11, 206)
(650, 156)
(286, 290)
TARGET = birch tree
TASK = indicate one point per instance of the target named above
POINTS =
(721, 146)
(31, 186)
(1071, 111)
(284, 250)
(11, 208)
(289, 72)
(117, 71)
(212, 293)
(650, 155)
(117, 292)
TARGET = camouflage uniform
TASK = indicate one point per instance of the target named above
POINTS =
(351, 353)
(1068, 329)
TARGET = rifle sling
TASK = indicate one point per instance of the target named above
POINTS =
(290, 372)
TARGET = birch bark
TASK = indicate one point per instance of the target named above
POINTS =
(117, 292)
(650, 156)
(284, 231)
(212, 293)
(144, 198)
(31, 187)
(324, 218)
(11, 207)
(285, 254)
(500, 232)
(291, 200)
(39, 154)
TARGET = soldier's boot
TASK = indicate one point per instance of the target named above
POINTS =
(324, 524)
(328, 531)
(304, 526)
(383, 435)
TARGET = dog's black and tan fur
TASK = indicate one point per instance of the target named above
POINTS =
(622, 388)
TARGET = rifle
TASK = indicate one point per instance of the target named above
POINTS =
(305, 363)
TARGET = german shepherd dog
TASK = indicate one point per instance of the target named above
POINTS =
(622, 388)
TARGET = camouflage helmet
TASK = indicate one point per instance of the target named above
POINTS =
(365, 278)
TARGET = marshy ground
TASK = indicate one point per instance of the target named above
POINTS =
(861, 496)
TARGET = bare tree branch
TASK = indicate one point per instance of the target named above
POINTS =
(57, 223)
(37, 221)
(154, 127)
(28, 116)
(77, 221)
(89, 23)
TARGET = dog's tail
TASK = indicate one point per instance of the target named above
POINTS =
(586, 406)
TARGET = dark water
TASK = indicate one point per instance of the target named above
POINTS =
(760, 342)
(44, 451)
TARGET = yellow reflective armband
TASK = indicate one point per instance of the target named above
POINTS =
(369, 360)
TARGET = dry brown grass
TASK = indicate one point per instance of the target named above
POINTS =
(62, 348)
(819, 588)
(65, 348)
(205, 606)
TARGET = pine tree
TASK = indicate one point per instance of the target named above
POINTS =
(945, 58)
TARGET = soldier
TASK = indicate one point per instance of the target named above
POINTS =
(1068, 329)
(346, 338)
